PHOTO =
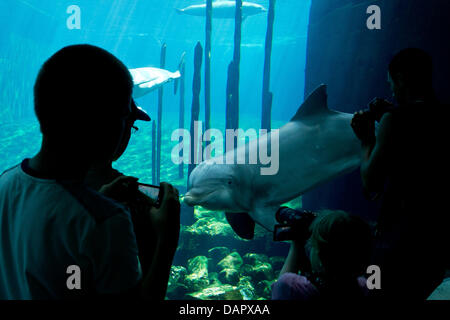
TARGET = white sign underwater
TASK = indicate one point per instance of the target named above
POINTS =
(317, 145)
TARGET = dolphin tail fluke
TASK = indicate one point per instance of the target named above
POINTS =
(242, 224)
(175, 75)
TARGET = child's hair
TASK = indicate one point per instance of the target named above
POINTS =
(343, 243)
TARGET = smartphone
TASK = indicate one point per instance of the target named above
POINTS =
(150, 191)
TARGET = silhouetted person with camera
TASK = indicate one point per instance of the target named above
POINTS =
(61, 239)
(124, 189)
(332, 263)
(404, 164)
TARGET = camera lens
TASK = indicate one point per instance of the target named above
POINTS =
(294, 224)
(288, 215)
(285, 215)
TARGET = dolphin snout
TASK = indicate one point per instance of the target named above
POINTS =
(197, 196)
(188, 199)
(192, 197)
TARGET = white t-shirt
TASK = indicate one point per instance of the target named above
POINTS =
(48, 225)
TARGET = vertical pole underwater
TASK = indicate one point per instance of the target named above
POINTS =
(236, 63)
(232, 107)
(153, 152)
(160, 102)
(195, 108)
(208, 67)
(182, 68)
(267, 96)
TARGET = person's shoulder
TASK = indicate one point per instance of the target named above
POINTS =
(99, 207)
(9, 177)
(386, 123)
(9, 172)
(293, 286)
(391, 114)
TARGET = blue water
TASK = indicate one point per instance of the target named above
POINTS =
(134, 30)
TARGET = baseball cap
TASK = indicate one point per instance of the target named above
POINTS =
(139, 113)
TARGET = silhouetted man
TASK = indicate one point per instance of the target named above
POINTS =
(60, 239)
(404, 163)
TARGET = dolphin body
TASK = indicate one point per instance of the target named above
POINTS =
(315, 146)
(146, 80)
(224, 9)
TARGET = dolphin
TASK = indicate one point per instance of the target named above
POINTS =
(146, 80)
(315, 146)
(223, 9)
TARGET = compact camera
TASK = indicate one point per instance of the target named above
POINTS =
(151, 191)
(377, 108)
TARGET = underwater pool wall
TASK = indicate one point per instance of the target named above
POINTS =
(343, 53)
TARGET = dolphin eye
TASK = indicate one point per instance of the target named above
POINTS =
(229, 182)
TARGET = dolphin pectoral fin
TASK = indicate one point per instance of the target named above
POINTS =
(242, 224)
(265, 216)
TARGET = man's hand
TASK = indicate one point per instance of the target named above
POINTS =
(363, 125)
(165, 226)
(165, 220)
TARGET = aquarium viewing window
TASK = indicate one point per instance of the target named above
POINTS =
(182, 67)
(243, 149)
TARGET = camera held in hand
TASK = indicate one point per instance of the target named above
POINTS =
(293, 224)
(377, 108)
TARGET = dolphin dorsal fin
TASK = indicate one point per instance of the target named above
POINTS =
(315, 103)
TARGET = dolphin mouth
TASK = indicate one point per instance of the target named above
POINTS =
(190, 200)
(197, 198)
(194, 198)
